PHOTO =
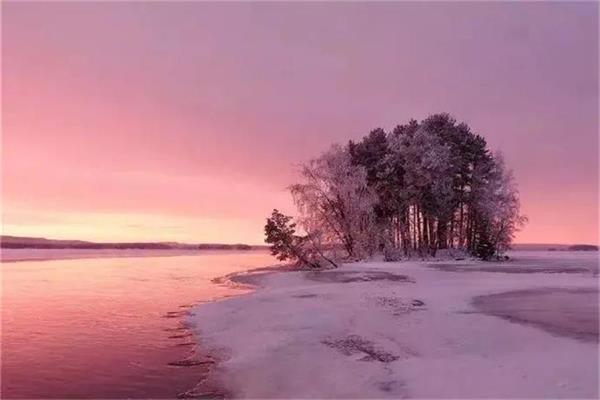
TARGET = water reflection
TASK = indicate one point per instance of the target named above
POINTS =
(106, 327)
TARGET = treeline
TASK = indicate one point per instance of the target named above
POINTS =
(422, 187)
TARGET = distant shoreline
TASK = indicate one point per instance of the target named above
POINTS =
(19, 242)
(23, 242)
(554, 247)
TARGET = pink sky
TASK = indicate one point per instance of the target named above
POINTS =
(185, 121)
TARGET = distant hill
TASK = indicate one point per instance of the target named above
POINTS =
(554, 247)
(17, 242)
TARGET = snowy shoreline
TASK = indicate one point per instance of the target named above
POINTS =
(408, 329)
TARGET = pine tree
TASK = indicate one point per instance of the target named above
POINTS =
(485, 249)
(280, 233)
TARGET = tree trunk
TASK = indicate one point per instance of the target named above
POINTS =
(414, 228)
(461, 226)
(406, 230)
(433, 237)
(426, 237)
(442, 230)
(419, 233)
(451, 236)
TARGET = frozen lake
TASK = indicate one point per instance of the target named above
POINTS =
(106, 327)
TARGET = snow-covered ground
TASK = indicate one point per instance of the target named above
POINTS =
(392, 330)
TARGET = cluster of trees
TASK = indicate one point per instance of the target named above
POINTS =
(422, 187)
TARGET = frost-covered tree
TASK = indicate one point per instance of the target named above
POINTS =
(384, 177)
(500, 205)
(336, 204)
(427, 183)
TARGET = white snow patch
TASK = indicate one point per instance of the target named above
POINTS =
(301, 338)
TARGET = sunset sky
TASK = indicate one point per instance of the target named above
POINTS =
(186, 121)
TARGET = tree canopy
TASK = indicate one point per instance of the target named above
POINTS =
(421, 187)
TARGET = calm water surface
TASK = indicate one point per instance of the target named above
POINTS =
(104, 327)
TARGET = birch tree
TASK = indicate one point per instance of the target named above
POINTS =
(501, 205)
(335, 203)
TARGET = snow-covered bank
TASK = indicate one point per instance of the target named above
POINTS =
(390, 330)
